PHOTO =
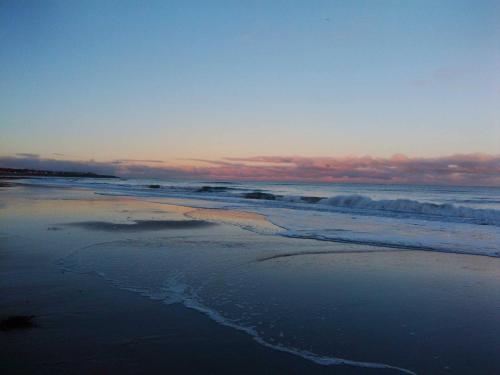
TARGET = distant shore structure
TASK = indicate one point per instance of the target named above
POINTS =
(13, 172)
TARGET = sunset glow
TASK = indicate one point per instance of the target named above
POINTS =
(203, 90)
(472, 169)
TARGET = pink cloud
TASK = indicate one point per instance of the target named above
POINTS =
(470, 169)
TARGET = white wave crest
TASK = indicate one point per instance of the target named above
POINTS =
(407, 206)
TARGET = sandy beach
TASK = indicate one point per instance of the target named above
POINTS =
(96, 273)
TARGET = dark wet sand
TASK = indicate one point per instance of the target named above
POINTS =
(86, 326)
(141, 225)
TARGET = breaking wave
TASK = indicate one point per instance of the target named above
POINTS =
(359, 202)
(396, 207)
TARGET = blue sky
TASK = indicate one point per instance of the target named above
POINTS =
(174, 80)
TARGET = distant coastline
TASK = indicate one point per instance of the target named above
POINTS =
(14, 172)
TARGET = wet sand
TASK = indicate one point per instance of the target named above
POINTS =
(84, 324)
(141, 225)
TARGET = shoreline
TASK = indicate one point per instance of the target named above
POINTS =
(85, 323)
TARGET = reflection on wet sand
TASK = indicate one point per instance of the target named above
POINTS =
(247, 220)
(243, 219)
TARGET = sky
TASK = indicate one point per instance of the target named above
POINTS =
(189, 85)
